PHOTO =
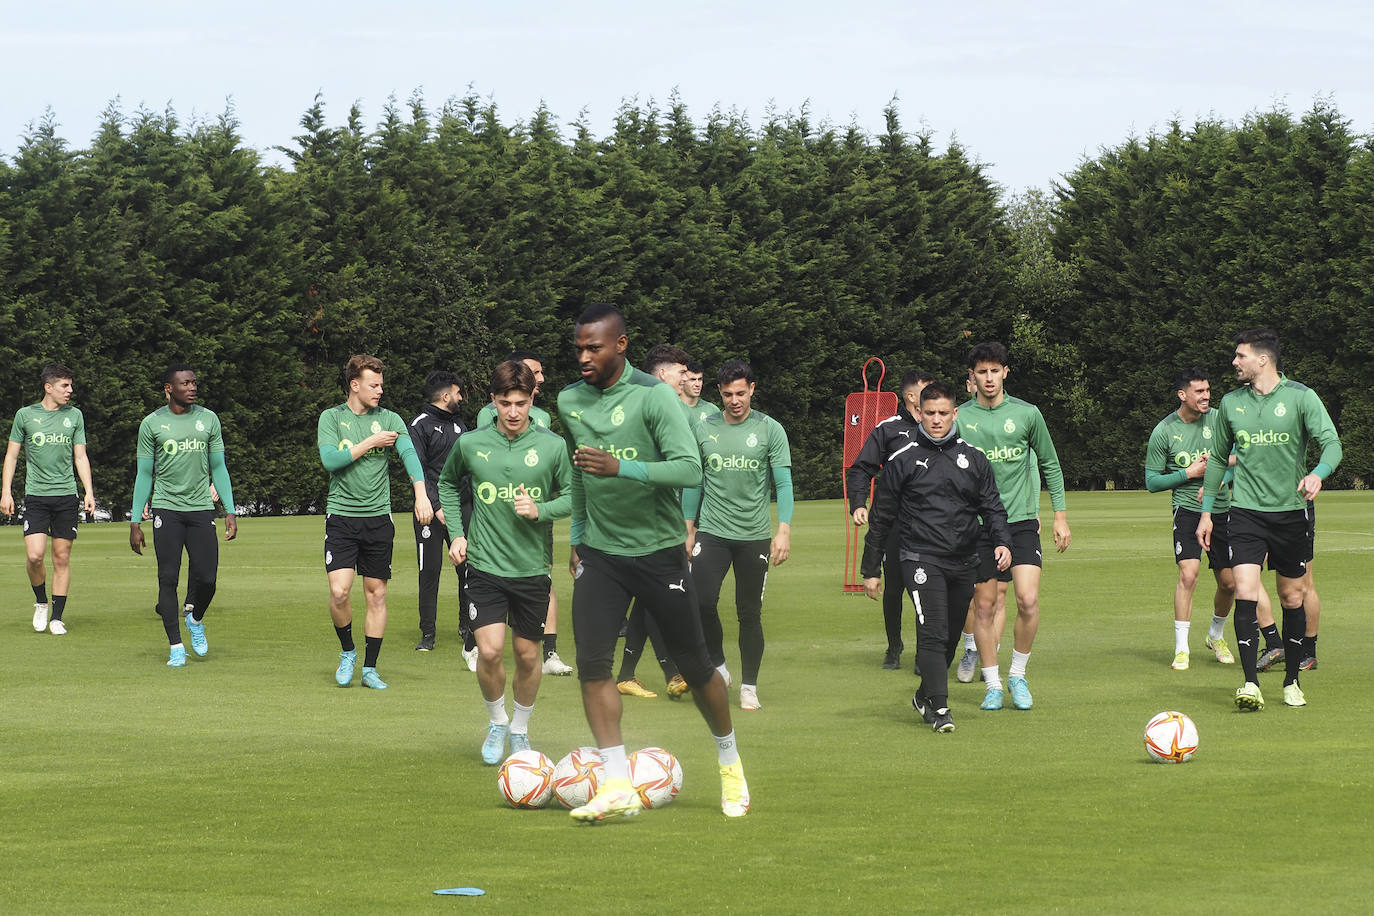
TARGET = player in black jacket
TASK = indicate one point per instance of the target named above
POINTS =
(433, 432)
(888, 436)
(938, 491)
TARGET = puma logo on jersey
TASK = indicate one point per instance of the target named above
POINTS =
(485, 456)
(972, 426)
(925, 463)
(344, 424)
(1178, 438)
(166, 427)
(576, 414)
(680, 587)
(713, 438)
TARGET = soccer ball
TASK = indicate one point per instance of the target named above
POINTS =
(526, 779)
(1171, 737)
(577, 777)
(656, 776)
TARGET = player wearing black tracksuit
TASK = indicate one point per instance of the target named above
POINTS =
(433, 433)
(887, 437)
(938, 494)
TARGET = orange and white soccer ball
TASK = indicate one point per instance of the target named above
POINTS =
(577, 777)
(1171, 737)
(526, 779)
(656, 776)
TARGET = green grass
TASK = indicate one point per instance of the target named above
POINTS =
(248, 782)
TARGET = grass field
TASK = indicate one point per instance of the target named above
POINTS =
(248, 782)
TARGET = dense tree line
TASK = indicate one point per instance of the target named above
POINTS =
(443, 239)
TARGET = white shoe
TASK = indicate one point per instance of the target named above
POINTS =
(556, 666)
(748, 697)
(40, 617)
(57, 628)
(471, 658)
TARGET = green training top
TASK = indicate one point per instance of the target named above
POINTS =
(1175, 444)
(487, 417)
(737, 462)
(179, 446)
(1007, 434)
(362, 488)
(500, 542)
(1270, 434)
(641, 422)
(49, 436)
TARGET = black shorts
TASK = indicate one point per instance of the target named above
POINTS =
(363, 544)
(521, 602)
(55, 516)
(660, 583)
(1025, 551)
(1186, 546)
(1281, 536)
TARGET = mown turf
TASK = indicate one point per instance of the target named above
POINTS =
(248, 782)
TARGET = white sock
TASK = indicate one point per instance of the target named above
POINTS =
(726, 752)
(724, 671)
(992, 677)
(1018, 664)
(969, 642)
(520, 722)
(613, 759)
(1181, 635)
(496, 709)
(1218, 627)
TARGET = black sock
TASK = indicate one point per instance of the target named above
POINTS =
(373, 646)
(59, 603)
(469, 640)
(550, 644)
(345, 634)
(1271, 637)
(1309, 647)
(1294, 626)
(40, 593)
(1247, 638)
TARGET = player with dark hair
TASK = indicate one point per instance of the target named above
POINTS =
(433, 432)
(515, 469)
(180, 457)
(692, 381)
(1179, 450)
(52, 434)
(1011, 433)
(553, 664)
(745, 455)
(888, 436)
(353, 439)
(632, 450)
(668, 364)
(1269, 420)
(939, 492)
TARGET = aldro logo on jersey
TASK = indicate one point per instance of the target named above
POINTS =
(489, 492)
(1245, 440)
(174, 447)
(717, 462)
(1004, 452)
(630, 453)
(1184, 458)
(40, 439)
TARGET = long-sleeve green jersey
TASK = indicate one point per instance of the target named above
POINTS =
(48, 437)
(1007, 435)
(499, 541)
(640, 421)
(1175, 444)
(361, 488)
(1270, 434)
(186, 452)
(737, 465)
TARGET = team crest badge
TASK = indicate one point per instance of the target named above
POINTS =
(472, 611)
(752, 441)
(1280, 410)
(376, 427)
(962, 461)
(200, 427)
(531, 458)
(328, 557)
(1206, 432)
(920, 577)
(618, 415)
(424, 532)
(696, 549)
(66, 422)
(1009, 426)
(1178, 548)
(157, 521)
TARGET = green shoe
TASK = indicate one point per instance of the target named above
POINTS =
(1249, 698)
(1221, 650)
(1293, 696)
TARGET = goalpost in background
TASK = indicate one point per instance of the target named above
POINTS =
(862, 411)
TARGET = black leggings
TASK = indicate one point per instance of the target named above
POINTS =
(937, 594)
(431, 553)
(195, 532)
(711, 558)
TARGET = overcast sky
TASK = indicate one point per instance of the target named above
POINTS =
(1028, 88)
